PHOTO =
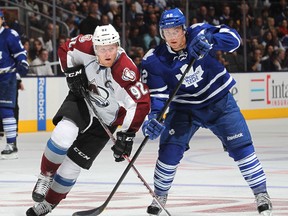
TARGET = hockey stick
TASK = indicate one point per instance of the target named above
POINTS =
(44, 64)
(105, 127)
(100, 209)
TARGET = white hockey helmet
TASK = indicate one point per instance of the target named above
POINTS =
(105, 35)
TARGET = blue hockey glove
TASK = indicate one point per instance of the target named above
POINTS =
(152, 128)
(123, 145)
(199, 46)
(22, 68)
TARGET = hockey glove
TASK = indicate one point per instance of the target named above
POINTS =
(123, 145)
(77, 80)
(152, 128)
(199, 46)
(22, 68)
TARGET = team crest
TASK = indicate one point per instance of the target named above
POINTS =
(128, 75)
(85, 38)
(192, 77)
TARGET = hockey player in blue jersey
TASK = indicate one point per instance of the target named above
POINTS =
(13, 59)
(203, 100)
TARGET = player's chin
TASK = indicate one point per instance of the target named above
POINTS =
(108, 62)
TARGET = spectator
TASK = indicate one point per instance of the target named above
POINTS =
(114, 11)
(135, 37)
(84, 8)
(270, 38)
(202, 15)
(73, 27)
(255, 62)
(140, 23)
(213, 19)
(139, 6)
(267, 59)
(26, 44)
(161, 4)
(104, 19)
(131, 14)
(41, 66)
(117, 23)
(46, 39)
(235, 62)
(88, 25)
(34, 18)
(279, 63)
(282, 30)
(219, 56)
(37, 46)
(281, 16)
(151, 39)
(257, 30)
(225, 16)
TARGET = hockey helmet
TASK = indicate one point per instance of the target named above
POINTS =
(172, 18)
(105, 35)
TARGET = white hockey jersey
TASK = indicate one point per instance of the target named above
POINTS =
(117, 93)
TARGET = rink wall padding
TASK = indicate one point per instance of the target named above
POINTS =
(259, 96)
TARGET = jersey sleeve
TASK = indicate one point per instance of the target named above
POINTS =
(151, 70)
(16, 48)
(131, 93)
(224, 38)
(73, 51)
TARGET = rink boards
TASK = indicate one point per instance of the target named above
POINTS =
(259, 95)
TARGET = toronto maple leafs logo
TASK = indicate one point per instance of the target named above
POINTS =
(192, 77)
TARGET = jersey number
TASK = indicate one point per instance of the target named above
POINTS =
(138, 90)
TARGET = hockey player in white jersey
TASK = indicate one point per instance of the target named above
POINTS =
(13, 58)
(203, 100)
(97, 66)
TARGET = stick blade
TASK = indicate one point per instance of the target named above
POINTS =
(91, 212)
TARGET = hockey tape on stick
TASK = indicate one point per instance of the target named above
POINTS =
(100, 209)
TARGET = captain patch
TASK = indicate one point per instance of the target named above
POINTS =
(128, 75)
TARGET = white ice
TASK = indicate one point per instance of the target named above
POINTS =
(208, 182)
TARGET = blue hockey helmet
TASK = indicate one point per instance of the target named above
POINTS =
(172, 18)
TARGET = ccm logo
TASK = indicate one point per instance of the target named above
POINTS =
(73, 74)
(81, 153)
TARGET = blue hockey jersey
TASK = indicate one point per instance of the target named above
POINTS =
(207, 80)
(11, 52)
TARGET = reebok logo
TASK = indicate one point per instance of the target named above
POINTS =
(229, 138)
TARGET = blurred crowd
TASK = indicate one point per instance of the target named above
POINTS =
(264, 40)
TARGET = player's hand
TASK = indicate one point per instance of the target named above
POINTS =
(77, 80)
(22, 67)
(152, 128)
(199, 46)
(123, 145)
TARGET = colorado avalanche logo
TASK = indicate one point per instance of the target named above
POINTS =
(99, 96)
(84, 38)
(128, 75)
